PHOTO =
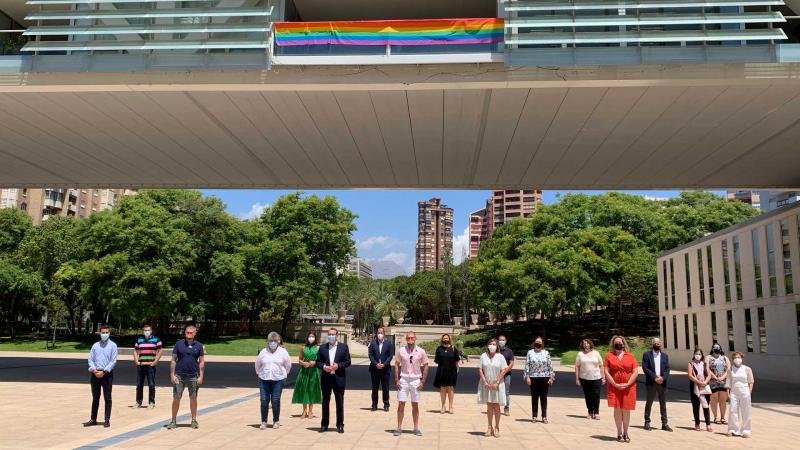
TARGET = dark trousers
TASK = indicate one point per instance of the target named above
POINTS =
(591, 393)
(380, 379)
(146, 372)
(270, 392)
(539, 388)
(103, 384)
(696, 407)
(328, 384)
(653, 390)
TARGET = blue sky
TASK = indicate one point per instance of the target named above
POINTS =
(387, 219)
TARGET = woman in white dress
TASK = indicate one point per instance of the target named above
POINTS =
(741, 390)
(491, 387)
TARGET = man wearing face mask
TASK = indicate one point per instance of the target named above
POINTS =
(333, 358)
(146, 354)
(186, 372)
(102, 359)
(508, 354)
(381, 353)
(409, 377)
(655, 364)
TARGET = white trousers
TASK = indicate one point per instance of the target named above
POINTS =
(740, 414)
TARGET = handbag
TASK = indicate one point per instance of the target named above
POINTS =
(705, 391)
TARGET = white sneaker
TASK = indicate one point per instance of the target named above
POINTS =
(276, 425)
(397, 432)
(263, 426)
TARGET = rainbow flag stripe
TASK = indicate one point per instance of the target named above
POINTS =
(390, 32)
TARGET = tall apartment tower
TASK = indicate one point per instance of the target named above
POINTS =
(501, 208)
(40, 204)
(434, 235)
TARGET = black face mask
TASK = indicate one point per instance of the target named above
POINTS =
(538, 345)
(716, 351)
(657, 348)
(619, 346)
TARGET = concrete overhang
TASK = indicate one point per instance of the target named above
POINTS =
(452, 126)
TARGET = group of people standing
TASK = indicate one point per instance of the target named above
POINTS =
(713, 380)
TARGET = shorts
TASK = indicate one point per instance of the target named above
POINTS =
(185, 381)
(408, 390)
(718, 389)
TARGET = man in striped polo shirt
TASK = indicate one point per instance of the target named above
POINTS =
(146, 354)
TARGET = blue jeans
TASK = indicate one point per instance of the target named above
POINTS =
(271, 392)
(507, 381)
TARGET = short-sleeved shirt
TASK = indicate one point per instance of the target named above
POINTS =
(147, 348)
(187, 357)
(508, 354)
(411, 362)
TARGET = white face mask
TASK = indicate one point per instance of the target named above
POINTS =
(148, 333)
(697, 357)
(737, 361)
(311, 339)
(380, 336)
(492, 348)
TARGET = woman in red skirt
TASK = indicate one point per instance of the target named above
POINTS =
(621, 371)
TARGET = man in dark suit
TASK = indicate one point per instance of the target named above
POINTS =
(333, 358)
(655, 364)
(381, 353)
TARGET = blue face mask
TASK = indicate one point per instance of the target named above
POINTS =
(331, 338)
(501, 343)
(273, 345)
(104, 336)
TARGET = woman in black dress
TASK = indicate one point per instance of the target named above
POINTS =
(447, 360)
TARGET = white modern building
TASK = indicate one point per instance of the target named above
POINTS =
(740, 287)
(360, 268)
(773, 200)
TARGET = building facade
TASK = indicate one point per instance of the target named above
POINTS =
(503, 207)
(739, 287)
(360, 268)
(480, 228)
(752, 198)
(774, 200)
(434, 235)
(41, 204)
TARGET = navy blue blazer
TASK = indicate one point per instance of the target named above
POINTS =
(384, 356)
(649, 367)
(342, 358)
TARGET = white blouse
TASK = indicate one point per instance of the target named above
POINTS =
(273, 366)
(589, 365)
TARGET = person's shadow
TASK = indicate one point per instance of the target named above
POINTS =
(603, 438)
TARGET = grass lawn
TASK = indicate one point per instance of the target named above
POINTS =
(40, 345)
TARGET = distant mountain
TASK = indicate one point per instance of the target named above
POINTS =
(384, 270)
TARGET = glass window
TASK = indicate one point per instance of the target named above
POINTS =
(729, 314)
(686, 330)
(726, 274)
(675, 331)
(688, 282)
(710, 274)
(713, 326)
(748, 329)
(702, 281)
(664, 330)
(666, 289)
(757, 262)
(694, 330)
(773, 280)
(737, 266)
(762, 331)
(787, 257)
(672, 281)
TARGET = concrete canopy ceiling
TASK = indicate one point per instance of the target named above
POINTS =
(464, 127)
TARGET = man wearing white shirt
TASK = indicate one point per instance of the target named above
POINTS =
(272, 367)
(655, 364)
(381, 352)
(333, 359)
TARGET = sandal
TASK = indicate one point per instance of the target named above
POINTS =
(697, 428)
(489, 432)
(626, 437)
(544, 420)
(619, 438)
(723, 422)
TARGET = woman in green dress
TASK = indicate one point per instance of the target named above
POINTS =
(306, 388)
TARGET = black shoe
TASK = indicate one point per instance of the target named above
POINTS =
(647, 427)
(666, 428)
(386, 408)
(323, 429)
(90, 423)
(374, 408)
(340, 430)
(107, 424)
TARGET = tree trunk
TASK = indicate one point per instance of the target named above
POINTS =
(287, 314)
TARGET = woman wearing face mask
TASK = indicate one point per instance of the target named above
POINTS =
(589, 376)
(491, 389)
(718, 366)
(447, 360)
(272, 367)
(621, 371)
(699, 377)
(539, 375)
(307, 390)
(741, 390)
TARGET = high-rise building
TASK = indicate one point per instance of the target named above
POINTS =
(40, 204)
(434, 235)
(502, 207)
(775, 200)
(750, 197)
(360, 268)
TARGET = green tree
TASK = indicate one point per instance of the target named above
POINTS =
(14, 226)
(20, 291)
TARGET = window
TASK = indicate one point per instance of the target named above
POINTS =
(757, 262)
(23, 206)
(729, 314)
(686, 330)
(702, 281)
(737, 266)
(762, 331)
(666, 289)
(773, 280)
(694, 331)
(672, 282)
(664, 330)
(713, 326)
(675, 331)
(726, 274)
(710, 275)
(748, 330)
(787, 257)
(688, 278)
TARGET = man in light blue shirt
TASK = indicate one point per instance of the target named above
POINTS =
(102, 359)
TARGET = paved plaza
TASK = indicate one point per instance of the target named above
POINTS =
(45, 399)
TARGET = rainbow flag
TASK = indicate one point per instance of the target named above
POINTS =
(390, 32)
